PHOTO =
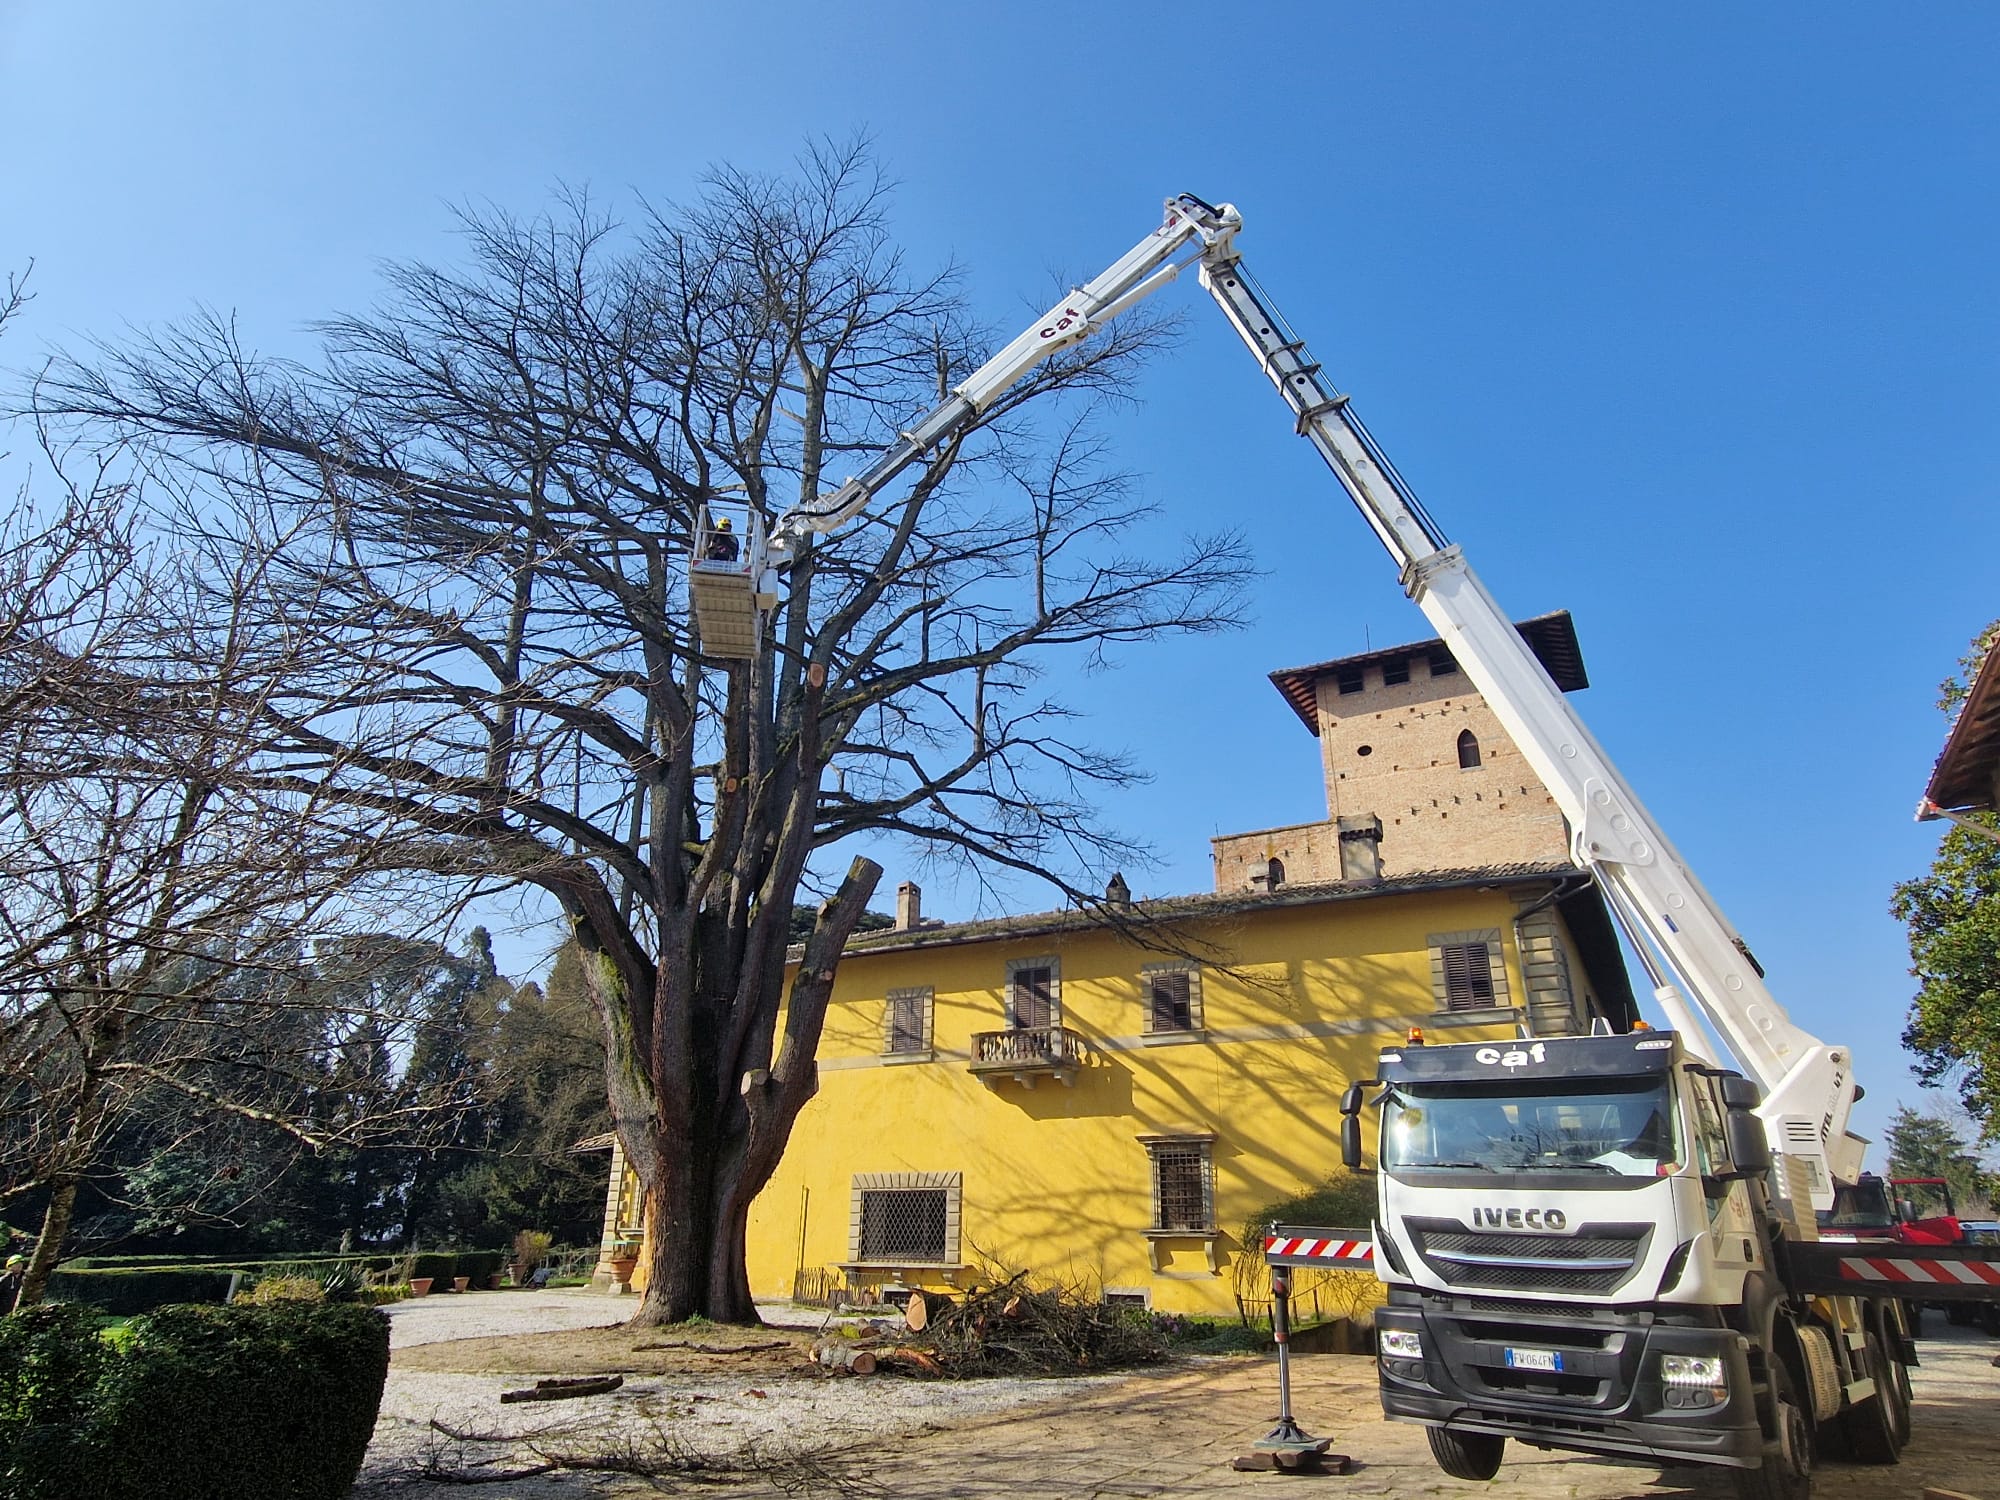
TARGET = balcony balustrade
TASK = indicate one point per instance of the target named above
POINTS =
(1026, 1053)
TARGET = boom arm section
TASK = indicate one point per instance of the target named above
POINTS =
(1136, 275)
(1808, 1086)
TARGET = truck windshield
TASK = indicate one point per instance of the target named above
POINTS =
(1596, 1125)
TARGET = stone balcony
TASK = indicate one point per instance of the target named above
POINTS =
(1027, 1053)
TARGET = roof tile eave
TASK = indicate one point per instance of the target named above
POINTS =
(1202, 905)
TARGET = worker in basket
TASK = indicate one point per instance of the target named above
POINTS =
(722, 544)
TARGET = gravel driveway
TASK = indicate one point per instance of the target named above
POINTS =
(776, 1418)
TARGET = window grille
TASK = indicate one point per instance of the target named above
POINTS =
(903, 1225)
(1443, 663)
(1031, 997)
(1118, 1297)
(1171, 1001)
(1468, 977)
(906, 1027)
(1181, 1197)
(1468, 751)
(1394, 672)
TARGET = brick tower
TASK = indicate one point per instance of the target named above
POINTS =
(1419, 774)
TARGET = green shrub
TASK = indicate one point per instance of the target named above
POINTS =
(271, 1289)
(51, 1364)
(244, 1403)
(124, 1292)
(440, 1269)
(205, 1403)
(481, 1265)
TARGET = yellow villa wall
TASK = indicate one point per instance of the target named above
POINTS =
(1055, 1178)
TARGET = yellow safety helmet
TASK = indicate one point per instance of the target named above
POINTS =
(722, 523)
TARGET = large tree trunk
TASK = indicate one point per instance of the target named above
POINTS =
(48, 1245)
(704, 1147)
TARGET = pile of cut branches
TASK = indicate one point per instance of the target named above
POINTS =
(1013, 1328)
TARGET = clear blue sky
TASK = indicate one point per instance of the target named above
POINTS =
(1681, 318)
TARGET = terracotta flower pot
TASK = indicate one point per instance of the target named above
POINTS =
(420, 1286)
(460, 1283)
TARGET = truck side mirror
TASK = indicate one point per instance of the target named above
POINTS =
(1350, 1101)
(1739, 1092)
(1749, 1147)
(1350, 1141)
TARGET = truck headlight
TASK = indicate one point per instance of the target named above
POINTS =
(1693, 1380)
(1400, 1343)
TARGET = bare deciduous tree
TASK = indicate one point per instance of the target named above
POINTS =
(153, 915)
(479, 507)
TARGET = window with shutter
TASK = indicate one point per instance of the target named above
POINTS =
(1468, 971)
(1468, 977)
(907, 1024)
(1032, 998)
(1173, 1002)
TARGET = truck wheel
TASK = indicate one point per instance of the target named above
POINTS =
(1466, 1455)
(1871, 1426)
(1786, 1473)
(1900, 1397)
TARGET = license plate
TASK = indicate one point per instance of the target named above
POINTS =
(1534, 1359)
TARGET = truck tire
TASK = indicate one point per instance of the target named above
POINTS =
(1466, 1455)
(1872, 1426)
(1786, 1473)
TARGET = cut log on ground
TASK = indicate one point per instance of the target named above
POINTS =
(846, 1357)
(566, 1389)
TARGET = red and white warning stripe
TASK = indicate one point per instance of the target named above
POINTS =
(1902, 1269)
(1360, 1252)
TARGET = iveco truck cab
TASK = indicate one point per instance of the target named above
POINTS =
(1573, 1233)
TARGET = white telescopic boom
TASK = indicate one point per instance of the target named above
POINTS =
(1140, 272)
(1808, 1086)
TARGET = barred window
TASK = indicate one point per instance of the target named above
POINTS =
(1033, 993)
(1395, 673)
(1172, 997)
(1181, 1196)
(903, 1224)
(1349, 679)
(906, 1022)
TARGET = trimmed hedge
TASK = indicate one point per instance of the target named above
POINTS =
(436, 1265)
(204, 1403)
(122, 1293)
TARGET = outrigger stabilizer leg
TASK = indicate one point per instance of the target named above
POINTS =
(1286, 1446)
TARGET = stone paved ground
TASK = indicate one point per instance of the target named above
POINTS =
(1172, 1435)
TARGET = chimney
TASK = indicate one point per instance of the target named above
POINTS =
(1116, 891)
(1361, 848)
(909, 906)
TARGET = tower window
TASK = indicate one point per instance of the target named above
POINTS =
(1349, 679)
(1443, 663)
(1274, 874)
(1394, 672)
(1468, 750)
